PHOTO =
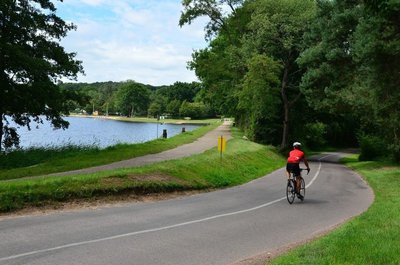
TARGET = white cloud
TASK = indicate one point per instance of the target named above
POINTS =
(93, 2)
(139, 40)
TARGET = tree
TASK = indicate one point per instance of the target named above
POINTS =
(133, 98)
(213, 9)
(155, 109)
(261, 29)
(352, 63)
(157, 106)
(276, 31)
(328, 56)
(377, 54)
(107, 92)
(220, 76)
(193, 110)
(173, 107)
(220, 67)
(259, 100)
(180, 91)
(31, 63)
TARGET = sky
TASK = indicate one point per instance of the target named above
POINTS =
(140, 40)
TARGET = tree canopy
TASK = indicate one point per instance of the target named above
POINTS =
(133, 99)
(257, 37)
(322, 71)
(32, 61)
(352, 60)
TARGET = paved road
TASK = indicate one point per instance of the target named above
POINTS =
(221, 227)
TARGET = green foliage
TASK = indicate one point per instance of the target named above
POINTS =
(257, 31)
(253, 32)
(213, 9)
(115, 98)
(352, 60)
(259, 100)
(220, 67)
(219, 77)
(179, 91)
(133, 99)
(31, 62)
(372, 147)
(155, 109)
(315, 134)
(173, 107)
(193, 110)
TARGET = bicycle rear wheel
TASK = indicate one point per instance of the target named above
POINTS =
(290, 191)
(302, 189)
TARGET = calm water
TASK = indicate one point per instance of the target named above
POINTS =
(96, 131)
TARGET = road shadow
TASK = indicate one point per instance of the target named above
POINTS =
(312, 201)
(332, 157)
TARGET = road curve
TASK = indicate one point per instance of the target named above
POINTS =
(221, 227)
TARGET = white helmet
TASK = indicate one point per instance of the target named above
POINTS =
(296, 144)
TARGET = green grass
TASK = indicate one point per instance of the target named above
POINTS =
(242, 162)
(371, 238)
(41, 161)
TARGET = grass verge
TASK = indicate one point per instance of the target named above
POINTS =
(241, 162)
(41, 161)
(371, 238)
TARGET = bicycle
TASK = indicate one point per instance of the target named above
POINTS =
(291, 188)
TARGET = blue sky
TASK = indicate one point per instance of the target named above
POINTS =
(137, 40)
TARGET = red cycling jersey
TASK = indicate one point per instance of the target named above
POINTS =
(295, 156)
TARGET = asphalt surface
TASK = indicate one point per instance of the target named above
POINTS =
(232, 226)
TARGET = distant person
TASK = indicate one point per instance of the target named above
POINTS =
(293, 165)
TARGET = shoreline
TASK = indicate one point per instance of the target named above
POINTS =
(147, 120)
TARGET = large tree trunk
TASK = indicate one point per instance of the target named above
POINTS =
(286, 108)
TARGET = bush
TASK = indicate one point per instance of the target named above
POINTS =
(315, 134)
(394, 149)
(372, 147)
(195, 110)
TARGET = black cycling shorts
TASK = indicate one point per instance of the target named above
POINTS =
(293, 167)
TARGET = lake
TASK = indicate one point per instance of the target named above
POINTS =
(96, 131)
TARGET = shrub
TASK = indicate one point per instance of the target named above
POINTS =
(394, 149)
(315, 134)
(372, 147)
(193, 110)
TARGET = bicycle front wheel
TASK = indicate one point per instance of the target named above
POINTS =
(290, 191)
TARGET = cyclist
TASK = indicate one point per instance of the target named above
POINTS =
(293, 165)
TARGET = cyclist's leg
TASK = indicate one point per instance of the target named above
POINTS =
(298, 187)
(298, 183)
(297, 174)
(288, 170)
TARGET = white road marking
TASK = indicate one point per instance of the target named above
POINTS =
(157, 229)
(317, 173)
